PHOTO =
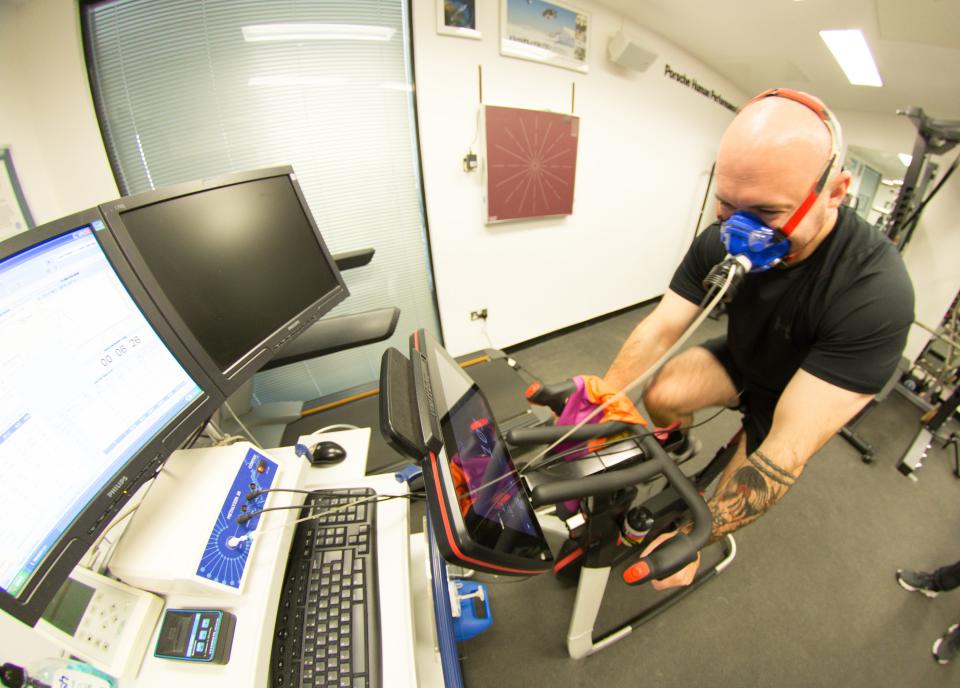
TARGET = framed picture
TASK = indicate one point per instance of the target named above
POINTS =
(550, 32)
(457, 18)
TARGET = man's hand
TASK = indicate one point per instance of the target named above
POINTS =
(684, 576)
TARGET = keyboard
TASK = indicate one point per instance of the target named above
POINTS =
(328, 622)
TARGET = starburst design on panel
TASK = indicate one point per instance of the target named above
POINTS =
(531, 163)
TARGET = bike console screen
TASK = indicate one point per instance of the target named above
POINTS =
(484, 501)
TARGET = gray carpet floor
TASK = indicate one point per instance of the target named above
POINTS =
(811, 598)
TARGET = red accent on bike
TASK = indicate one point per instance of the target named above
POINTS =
(637, 573)
(533, 389)
(567, 560)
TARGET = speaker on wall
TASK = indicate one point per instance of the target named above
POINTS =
(627, 52)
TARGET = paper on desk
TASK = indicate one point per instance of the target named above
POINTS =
(355, 442)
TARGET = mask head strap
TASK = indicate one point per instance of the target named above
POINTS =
(830, 122)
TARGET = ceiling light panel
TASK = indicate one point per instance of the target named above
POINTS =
(852, 53)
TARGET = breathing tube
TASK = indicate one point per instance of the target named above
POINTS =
(725, 275)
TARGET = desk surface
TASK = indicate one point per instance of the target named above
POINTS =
(256, 607)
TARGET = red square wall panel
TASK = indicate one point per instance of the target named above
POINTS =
(531, 163)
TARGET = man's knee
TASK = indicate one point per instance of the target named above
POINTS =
(691, 381)
(668, 390)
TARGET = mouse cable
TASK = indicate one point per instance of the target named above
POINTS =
(336, 427)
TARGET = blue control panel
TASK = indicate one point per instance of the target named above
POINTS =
(219, 562)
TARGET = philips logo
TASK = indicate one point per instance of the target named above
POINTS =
(116, 488)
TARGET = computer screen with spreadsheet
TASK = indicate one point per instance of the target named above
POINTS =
(92, 399)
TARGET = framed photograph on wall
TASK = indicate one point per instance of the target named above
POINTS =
(545, 31)
(457, 18)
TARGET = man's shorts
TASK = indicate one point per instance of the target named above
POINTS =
(757, 405)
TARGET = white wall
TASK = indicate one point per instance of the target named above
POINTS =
(646, 146)
(46, 115)
(931, 255)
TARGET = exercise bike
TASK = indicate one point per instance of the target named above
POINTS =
(482, 506)
(586, 494)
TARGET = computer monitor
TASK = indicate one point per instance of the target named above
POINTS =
(95, 392)
(235, 263)
(477, 500)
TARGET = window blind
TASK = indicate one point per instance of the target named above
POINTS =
(187, 89)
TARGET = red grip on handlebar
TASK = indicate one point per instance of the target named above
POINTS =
(532, 389)
(637, 573)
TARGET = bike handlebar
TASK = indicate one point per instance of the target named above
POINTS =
(671, 556)
(553, 396)
(552, 433)
(682, 549)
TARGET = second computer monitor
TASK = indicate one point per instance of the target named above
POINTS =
(236, 264)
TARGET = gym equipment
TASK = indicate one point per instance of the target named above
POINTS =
(912, 459)
(595, 546)
(481, 504)
(933, 137)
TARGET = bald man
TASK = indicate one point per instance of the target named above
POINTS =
(809, 342)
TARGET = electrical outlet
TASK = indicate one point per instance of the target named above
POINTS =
(470, 162)
(479, 315)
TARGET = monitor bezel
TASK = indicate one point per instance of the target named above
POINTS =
(230, 380)
(93, 519)
(454, 540)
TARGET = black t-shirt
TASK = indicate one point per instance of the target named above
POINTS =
(842, 314)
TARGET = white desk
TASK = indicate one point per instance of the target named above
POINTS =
(255, 608)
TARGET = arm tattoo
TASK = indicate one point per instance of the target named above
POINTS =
(750, 491)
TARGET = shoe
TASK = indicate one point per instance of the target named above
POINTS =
(917, 581)
(945, 648)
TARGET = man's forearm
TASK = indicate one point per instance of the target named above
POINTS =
(642, 348)
(747, 489)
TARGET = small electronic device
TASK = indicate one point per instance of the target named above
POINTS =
(196, 635)
(102, 621)
(219, 493)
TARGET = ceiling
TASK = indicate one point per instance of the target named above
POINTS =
(759, 44)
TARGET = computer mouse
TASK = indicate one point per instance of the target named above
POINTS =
(327, 453)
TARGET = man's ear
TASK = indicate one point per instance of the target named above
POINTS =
(837, 189)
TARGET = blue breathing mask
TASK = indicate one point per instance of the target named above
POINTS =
(745, 234)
